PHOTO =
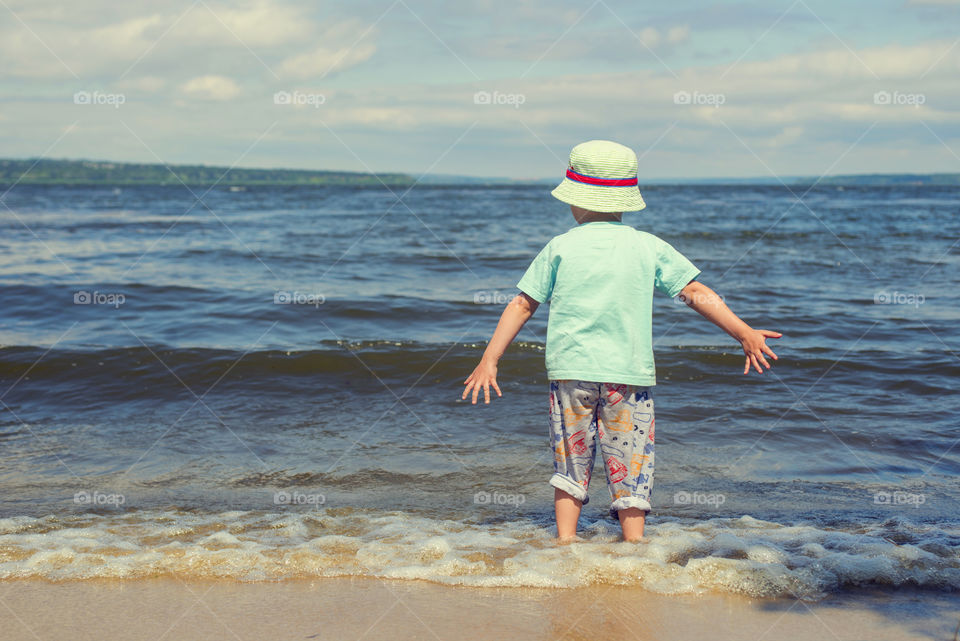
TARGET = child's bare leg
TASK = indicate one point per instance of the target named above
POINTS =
(632, 521)
(567, 509)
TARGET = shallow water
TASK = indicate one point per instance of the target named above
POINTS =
(185, 393)
(679, 556)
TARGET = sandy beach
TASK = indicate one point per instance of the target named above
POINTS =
(361, 608)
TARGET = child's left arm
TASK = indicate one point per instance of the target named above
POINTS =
(711, 306)
(517, 312)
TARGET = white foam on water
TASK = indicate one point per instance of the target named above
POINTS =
(737, 555)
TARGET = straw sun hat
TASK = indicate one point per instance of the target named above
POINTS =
(602, 176)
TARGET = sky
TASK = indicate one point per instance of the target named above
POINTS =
(500, 88)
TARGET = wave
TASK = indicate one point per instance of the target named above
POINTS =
(743, 555)
(116, 366)
(405, 360)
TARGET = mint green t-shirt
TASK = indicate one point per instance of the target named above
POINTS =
(599, 278)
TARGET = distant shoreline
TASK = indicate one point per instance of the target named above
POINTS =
(47, 171)
(65, 172)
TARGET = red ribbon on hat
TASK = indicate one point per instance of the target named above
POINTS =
(606, 182)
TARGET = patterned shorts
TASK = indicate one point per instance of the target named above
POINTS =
(620, 417)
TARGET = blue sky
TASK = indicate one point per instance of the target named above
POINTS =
(487, 88)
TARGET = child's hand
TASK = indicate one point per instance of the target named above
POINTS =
(755, 346)
(483, 376)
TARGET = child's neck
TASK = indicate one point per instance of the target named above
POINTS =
(594, 216)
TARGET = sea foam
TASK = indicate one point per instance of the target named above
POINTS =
(735, 555)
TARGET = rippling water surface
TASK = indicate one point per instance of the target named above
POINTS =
(162, 405)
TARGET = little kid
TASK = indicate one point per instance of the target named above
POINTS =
(599, 278)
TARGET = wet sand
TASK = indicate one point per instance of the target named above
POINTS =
(370, 608)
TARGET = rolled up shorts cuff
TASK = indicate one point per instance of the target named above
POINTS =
(573, 489)
(628, 502)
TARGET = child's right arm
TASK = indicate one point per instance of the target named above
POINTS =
(710, 306)
(517, 312)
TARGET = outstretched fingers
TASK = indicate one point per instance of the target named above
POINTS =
(757, 349)
(769, 334)
(472, 386)
(486, 389)
(754, 360)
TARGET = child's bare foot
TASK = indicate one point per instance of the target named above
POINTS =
(568, 539)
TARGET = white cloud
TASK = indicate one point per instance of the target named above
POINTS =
(679, 34)
(650, 37)
(674, 35)
(211, 88)
(888, 62)
(264, 24)
(339, 46)
(581, 42)
(119, 39)
(148, 84)
(779, 102)
(159, 40)
(323, 60)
